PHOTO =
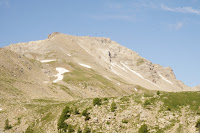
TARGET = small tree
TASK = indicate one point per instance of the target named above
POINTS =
(76, 111)
(113, 107)
(143, 129)
(79, 130)
(198, 125)
(86, 114)
(7, 125)
(96, 101)
(158, 92)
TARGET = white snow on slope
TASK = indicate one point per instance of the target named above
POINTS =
(85, 65)
(107, 77)
(1, 109)
(44, 61)
(135, 89)
(115, 72)
(121, 67)
(163, 78)
(60, 72)
(139, 75)
(69, 54)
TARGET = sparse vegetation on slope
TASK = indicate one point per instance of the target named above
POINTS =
(121, 114)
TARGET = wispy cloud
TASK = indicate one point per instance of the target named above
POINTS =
(4, 3)
(116, 17)
(176, 26)
(181, 9)
(114, 5)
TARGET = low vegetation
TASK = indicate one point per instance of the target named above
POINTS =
(96, 101)
(7, 125)
(110, 110)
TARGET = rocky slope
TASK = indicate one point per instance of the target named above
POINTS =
(39, 77)
(98, 52)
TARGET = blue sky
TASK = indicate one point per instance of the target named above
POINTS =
(166, 32)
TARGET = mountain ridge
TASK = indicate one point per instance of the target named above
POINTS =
(111, 56)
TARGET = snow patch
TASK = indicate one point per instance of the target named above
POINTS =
(115, 72)
(44, 61)
(60, 72)
(118, 83)
(139, 75)
(121, 67)
(85, 65)
(163, 78)
(107, 77)
(136, 89)
(69, 54)
(1, 109)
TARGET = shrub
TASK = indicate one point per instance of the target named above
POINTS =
(63, 117)
(7, 125)
(143, 129)
(76, 112)
(198, 124)
(87, 118)
(147, 102)
(70, 129)
(96, 101)
(85, 112)
(79, 130)
(87, 130)
(124, 121)
(158, 92)
(105, 99)
(29, 130)
(113, 107)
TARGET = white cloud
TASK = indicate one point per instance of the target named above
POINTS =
(181, 9)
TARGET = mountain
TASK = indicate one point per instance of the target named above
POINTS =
(105, 56)
(38, 79)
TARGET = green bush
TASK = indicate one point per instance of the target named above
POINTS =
(65, 115)
(87, 130)
(147, 102)
(96, 101)
(158, 92)
(198, 124)
(113, 107)
(79, 130)
(76, 112)
(143, 129)
(124, 121)
(70, 129)
(29, 130)
(85, 112)
(7, 125)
